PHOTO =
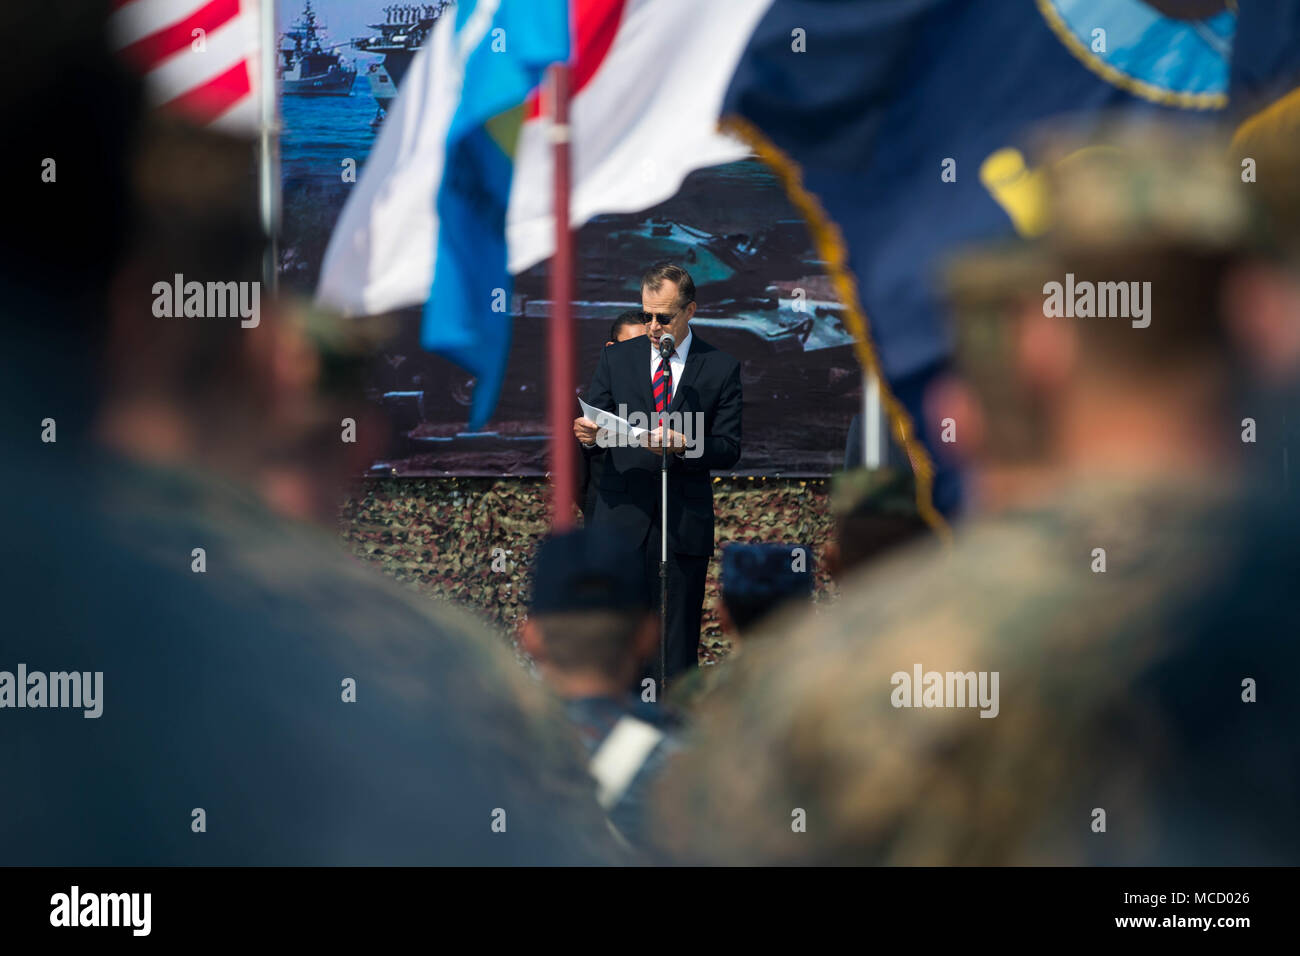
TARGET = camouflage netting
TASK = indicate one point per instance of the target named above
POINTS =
(440, 535)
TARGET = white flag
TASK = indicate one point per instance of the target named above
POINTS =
(643, 114)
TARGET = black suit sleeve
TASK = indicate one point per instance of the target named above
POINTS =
(598, 396)
(722, 443)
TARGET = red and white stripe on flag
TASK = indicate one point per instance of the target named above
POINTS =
(199, 57)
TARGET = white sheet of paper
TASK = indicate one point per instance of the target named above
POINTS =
(611, 422)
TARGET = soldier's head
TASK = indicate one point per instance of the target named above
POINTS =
(759, 579)
(1112, 341)
(668, 302)
(875, 512)
(629, 325)
(204, 365)
(589, 624)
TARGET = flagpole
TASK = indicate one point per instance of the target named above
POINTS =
(873, 448)
(268, 159)
(561, 334)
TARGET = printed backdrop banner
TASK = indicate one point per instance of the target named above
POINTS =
(761, 290)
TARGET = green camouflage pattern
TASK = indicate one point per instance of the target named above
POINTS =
(1094, 668)
(437, 536)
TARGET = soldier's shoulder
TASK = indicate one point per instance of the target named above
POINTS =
(1095, 561)
(1071, 603)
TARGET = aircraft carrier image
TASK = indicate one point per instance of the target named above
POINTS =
(401, 33)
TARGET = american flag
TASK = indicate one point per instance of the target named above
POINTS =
(199, 57)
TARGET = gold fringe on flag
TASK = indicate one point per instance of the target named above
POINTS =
(829, 242)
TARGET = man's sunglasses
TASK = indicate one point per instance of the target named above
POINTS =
(661, 318)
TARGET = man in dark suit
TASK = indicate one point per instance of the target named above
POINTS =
(629, 325)
(698, 389)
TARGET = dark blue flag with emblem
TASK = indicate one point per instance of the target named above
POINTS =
(899, 128)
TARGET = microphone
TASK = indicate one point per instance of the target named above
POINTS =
(666, 345)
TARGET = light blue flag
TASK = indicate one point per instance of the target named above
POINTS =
(506, 45)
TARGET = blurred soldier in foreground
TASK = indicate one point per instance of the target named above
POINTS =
(875, 512)
(245, 692)
(590, 628)
(1099, 670)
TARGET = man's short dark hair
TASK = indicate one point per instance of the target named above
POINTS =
(866, 534)
(590, 640)
(670, 272)
(630, 317)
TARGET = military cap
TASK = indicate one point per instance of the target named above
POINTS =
(1157, 208)
(758, 577)
(1124, 189)
(886, 491)
(585, 570)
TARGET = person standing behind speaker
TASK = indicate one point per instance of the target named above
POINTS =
(629, 325)
(699, 387)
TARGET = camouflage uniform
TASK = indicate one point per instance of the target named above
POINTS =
(1117, 690)
(1121, 691)
(687, 692)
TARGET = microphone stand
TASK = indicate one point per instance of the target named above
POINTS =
(663, 569)
(666, 346)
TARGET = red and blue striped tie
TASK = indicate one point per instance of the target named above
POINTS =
(663, 386)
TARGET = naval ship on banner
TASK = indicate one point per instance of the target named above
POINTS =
(401, 33)
(308, 67)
